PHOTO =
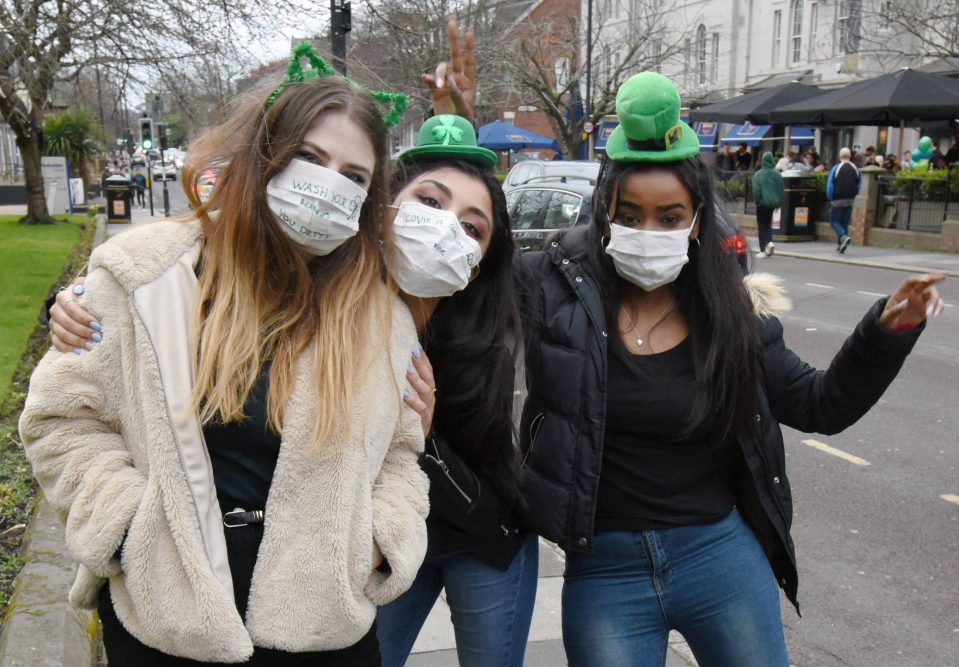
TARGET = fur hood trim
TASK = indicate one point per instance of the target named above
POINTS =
(767, 294)
(124, 256)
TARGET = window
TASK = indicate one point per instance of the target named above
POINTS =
(714, 69)
(813, 29)
(563, 210)
(658, 55)
(777, 36)
(847, 26)
(687, 64)
(796, 39)
(529, 209)
(701, 55)
(561, 70)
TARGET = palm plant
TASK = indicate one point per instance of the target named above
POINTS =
(74, 135)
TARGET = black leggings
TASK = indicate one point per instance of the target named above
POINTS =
(242, 544)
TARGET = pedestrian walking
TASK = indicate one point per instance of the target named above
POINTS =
(140, 184)
(651, 438)
(768, 194)
(842, 186)
(239, 472)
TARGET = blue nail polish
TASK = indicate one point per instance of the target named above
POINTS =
(96, 337)
(78, 289)
(406, 394)
(88, 346)
(77, 351)
(96, 326)
(417, 349)
(410, 369)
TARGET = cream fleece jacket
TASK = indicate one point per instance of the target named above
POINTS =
(116, 450)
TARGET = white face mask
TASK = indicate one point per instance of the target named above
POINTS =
(649, 259)
(318, 208)
(434, 256)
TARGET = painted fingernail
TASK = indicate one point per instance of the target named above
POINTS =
(78, 289)
(96, 337)
(410, 369)
(89, 346)
(406, 394)
(439, 82)
(96, 326)
(77, 350)
(417, 349)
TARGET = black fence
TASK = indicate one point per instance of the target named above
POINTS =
(917, 204)
(735, 190)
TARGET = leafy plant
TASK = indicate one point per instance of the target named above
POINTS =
(76, 135)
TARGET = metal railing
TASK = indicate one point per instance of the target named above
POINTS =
(917, 204)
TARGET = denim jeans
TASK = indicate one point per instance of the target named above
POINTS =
(712, 583)
(839, 217)
(491, 609)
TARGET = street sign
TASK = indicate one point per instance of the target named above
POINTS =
(588, 127)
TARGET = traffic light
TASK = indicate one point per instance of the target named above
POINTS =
(146, 133)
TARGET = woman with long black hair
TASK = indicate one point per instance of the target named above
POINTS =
(657, 383)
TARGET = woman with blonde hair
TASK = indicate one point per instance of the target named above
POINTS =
(235, 459)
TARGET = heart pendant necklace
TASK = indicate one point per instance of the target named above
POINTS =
(643, 338)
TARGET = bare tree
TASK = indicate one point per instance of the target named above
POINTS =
(48, 40)
(907, 30)
(547, 62)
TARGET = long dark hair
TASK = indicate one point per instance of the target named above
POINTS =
(468, 343)
(711, 297)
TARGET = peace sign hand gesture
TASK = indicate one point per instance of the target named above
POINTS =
(453, 86)
(914, 301)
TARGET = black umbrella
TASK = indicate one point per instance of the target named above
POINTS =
(755, 106)
(891, 99)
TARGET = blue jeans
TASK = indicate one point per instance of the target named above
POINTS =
(491, 609)
(839, 217)
(712, 583)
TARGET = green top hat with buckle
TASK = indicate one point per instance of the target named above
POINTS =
(649, 126)
(450, 137)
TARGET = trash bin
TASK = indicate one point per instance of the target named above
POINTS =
(795, 221)
(118, 198)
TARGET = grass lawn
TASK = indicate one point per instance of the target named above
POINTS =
(32, 258)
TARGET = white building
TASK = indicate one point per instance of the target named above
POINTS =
(720, 48)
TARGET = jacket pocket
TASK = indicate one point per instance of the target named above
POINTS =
(535, 426)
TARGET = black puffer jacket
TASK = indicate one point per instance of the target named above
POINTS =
(564, 415)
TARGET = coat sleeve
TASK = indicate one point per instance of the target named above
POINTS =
(70, 428)
(816, 401)
(400, 506)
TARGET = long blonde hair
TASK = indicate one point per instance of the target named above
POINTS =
(259, 299)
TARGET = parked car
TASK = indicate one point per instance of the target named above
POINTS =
(563, 171)
(163, 171)
(545, 206)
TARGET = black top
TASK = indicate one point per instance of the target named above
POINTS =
(650, 478)
(244, 453)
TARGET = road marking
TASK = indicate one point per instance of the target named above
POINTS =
(949, 498)
(836, 452)
(869, 293)
(818, 285)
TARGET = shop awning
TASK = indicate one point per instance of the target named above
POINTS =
(747, 133)
(708, 133)
(802, 136)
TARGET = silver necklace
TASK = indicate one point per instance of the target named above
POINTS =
(642, 338)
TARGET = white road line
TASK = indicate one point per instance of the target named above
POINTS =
(949, 498)
(836, 452)
(818, 285)
(869, 293)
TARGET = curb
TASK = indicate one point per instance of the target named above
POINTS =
(865, 262)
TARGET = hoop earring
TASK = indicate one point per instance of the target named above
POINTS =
(697, 242)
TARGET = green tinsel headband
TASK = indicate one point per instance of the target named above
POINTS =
(392, 104)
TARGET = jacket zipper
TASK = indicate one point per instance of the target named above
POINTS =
(446, 471)
(534, 427)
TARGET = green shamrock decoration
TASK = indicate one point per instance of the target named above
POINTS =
(447, 131)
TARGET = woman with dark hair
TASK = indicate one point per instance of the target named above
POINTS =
(657, 381)
(237, 468)
(487, 566)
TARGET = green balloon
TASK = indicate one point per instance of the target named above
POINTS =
(916, 155)
(922, 165)
(925, 144)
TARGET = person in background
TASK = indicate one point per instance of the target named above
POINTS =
(891, 163)
(727, 161)
(842, 186)
(871, 159)
(782, 161)
(744, 159)
(906, 163)
(140, 185)
(768, 194)
(651, 434)
(230, 447)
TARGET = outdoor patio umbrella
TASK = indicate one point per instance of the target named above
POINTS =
(892, 99)
(500, 136)
(755, 106)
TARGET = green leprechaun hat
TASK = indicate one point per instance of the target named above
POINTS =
(451, 137)
(649, 126)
